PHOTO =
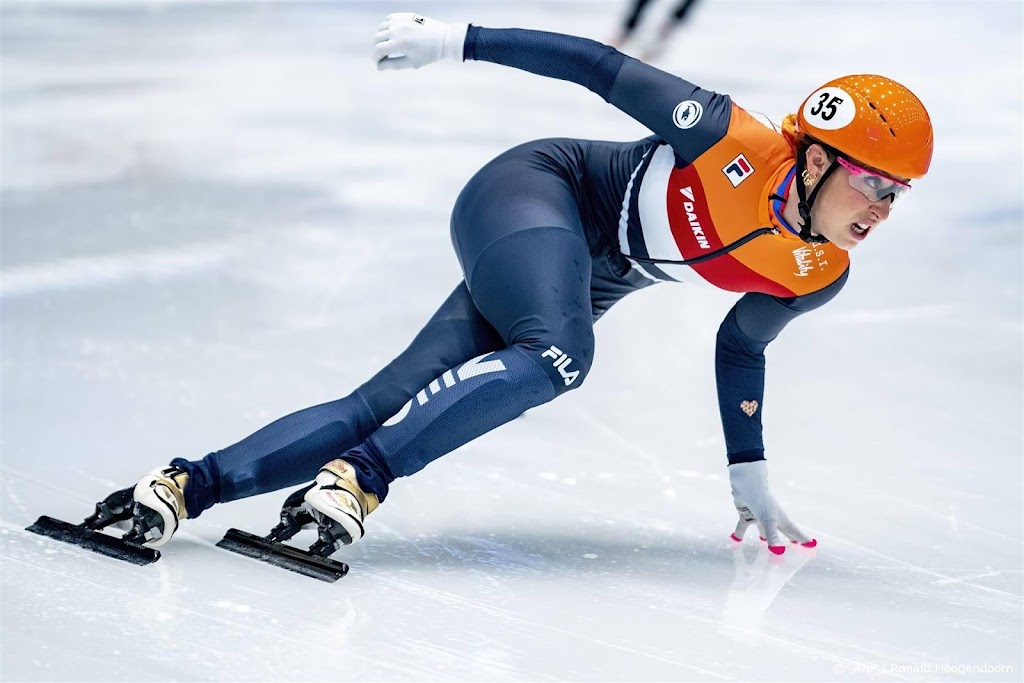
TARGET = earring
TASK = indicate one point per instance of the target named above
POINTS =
(807, 178)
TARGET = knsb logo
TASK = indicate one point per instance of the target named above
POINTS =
(738, 170)
(472, 368)
(687, 114)
(691, 217)
(561, 362)
(804, 263)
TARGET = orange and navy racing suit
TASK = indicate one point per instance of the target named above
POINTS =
(549, 235)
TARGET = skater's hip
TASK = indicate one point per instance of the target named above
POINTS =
(539, 184)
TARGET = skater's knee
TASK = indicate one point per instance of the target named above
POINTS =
(571, 369)
(565, 358)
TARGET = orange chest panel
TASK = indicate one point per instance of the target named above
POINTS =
(704, 208)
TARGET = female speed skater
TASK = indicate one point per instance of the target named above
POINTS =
(549, 235)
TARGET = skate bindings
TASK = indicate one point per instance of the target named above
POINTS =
(334, 503)
(152, 507)
(159, 504)
(339, 506)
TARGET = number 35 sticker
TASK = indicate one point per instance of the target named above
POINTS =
(830, 109)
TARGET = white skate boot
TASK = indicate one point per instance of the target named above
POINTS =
(159, 504)
(339, 506)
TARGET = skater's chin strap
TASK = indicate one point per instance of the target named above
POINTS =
(804, 206)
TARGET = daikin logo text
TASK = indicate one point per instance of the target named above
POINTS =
(691, 217)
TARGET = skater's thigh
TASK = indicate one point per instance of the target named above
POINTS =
(533, 286)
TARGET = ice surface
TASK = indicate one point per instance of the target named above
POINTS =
(215, 214)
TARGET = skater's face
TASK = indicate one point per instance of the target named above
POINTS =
(842, 212)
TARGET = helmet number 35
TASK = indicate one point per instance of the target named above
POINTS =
(830, 109)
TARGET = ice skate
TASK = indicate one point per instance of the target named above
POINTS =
(159, 505)
(118, 508)
(337, 495)
(339, 506)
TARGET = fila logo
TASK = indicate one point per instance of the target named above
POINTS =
(561, 362)
(472, 368)
(738, 170)
(695, 225)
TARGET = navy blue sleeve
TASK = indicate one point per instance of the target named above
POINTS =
(753, 322)
(687, 117)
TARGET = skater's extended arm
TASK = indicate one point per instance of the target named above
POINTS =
(750, 326)
(689, 118)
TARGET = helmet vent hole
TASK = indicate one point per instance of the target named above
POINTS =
(881, 116)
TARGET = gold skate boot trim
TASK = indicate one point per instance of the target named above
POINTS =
(346, 473)
(176, 485)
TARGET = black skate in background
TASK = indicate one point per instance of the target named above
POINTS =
(117, 507)
(271, 549)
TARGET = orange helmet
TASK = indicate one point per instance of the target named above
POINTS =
(874, 120)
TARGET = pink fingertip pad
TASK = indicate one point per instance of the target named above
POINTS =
(777, 549)
(762, 538)
(736, 538)
(811, 543)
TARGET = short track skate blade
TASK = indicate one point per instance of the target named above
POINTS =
(93, 540)
(281, 555)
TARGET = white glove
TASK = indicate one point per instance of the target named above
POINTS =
(756, 505)
(409, 41)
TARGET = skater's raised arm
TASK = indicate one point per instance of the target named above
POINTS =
(689, 118)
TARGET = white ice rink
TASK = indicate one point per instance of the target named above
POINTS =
(216, 214)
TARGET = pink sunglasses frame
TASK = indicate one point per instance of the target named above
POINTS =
(855, 170)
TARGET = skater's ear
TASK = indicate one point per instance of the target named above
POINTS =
(816, 159)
